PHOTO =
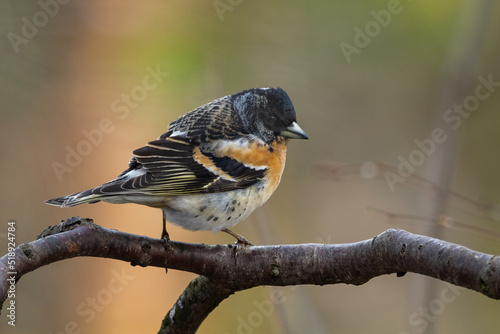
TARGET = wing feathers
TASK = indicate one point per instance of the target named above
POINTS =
(175, 167)
(174, 164)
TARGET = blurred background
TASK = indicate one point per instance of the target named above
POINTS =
(83, 84)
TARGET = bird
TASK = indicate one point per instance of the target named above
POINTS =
(212, 168)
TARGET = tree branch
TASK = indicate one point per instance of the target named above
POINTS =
(200, 298)
(226, 269)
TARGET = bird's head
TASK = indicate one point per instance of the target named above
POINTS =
(267, 113)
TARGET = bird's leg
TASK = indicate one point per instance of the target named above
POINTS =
(166, 237)
(241, 239)
(164, 233)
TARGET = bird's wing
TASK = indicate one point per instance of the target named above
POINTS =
(187, 159)
(210, 122)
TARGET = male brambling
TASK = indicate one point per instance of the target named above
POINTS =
(214, 165)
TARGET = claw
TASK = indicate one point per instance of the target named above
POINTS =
(240, 239)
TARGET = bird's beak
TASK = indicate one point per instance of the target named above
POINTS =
(294, 131)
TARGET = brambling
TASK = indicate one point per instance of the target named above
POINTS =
(212, 168)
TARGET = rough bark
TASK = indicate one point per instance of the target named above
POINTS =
(226, 269)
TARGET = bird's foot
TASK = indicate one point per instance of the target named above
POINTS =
(241, 240)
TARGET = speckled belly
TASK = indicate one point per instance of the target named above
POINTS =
(216, 211)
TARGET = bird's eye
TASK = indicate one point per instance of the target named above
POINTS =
(272, 119)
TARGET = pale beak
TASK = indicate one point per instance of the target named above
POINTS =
(294, 131)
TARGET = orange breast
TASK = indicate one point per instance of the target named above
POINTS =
(256, 154)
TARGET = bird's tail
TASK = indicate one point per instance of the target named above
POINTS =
(75, 199)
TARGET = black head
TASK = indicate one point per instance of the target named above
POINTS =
(267, 113)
